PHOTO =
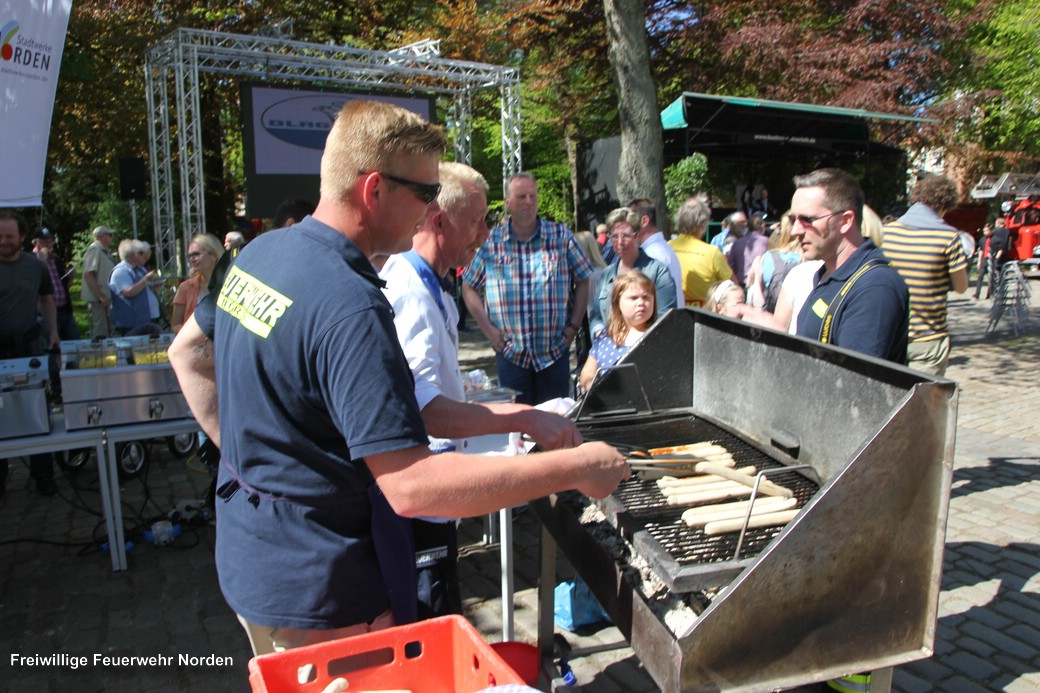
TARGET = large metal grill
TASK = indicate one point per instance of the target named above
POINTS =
(851, 584)
(685, 557)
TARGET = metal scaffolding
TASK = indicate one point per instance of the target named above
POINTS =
(183, 55)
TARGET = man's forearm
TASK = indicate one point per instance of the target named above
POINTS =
(475, 305)
(135, 288)
(447, 418)
(90, 279)
(191, 355)
(50, 316)
(581, 302)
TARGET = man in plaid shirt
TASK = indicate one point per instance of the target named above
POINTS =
(534, 280)
(43, 249)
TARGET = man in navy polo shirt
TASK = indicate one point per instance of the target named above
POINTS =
(324, 451)
(859, 302)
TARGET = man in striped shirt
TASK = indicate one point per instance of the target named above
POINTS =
(927, 253)
(535, 281)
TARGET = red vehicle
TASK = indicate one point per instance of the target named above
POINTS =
(1022, 212)
(1023, 221)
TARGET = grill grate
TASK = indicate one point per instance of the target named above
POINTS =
(645, 507)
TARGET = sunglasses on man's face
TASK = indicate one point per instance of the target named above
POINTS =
(427, 192)
(806, 220)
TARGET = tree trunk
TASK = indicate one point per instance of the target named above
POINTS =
(571, 144)
(640, 170)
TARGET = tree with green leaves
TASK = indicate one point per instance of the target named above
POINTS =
(990, 108)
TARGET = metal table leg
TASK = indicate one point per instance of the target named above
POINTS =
(112, 494)
(505, 521)
(546, 582)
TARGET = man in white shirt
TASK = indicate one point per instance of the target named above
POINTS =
(426, 320)
(654, 244)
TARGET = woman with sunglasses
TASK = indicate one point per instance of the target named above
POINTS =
(203, 253)
(622, 224)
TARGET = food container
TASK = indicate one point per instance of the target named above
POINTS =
(97, 356)
(441, 655)
(139, 387)
(144, 354)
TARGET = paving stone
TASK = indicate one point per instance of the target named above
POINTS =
(999, 640)
(597, 682)
(975, 646)
(963, 685)
(903, 680)
(975, 667)
(986, 554)
(1019, 685)
(1025, 633)
(930, 669)
(1014, 667)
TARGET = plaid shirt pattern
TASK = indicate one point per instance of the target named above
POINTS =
(527, 289)
(61, 297)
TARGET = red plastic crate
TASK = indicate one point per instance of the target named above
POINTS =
(441, 655)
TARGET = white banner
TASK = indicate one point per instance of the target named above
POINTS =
(32, 38)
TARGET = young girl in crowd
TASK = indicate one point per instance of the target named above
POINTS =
(632, 312)
(726, 297)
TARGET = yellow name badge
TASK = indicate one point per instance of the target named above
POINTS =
(820, 307)
(253, 303)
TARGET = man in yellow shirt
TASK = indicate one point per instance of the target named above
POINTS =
(702, 264)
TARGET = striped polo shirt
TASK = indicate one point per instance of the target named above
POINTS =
(925, 258)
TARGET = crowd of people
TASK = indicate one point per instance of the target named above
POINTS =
(123, 298)
(830, 269)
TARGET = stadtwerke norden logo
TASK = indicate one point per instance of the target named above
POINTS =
(21, 50)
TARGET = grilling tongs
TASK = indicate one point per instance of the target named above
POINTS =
(641, 459)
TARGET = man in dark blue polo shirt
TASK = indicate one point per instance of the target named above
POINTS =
(324, 451)
(859, 301)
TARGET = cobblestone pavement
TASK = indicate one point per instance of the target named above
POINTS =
(59, 597)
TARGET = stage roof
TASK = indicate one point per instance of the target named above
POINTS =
(723, 122)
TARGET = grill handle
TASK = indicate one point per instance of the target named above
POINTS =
(759, 478)
(785, 441)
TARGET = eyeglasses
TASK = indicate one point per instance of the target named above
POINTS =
(806, 220)
(427, 192)
(622, 236)
(194, 256)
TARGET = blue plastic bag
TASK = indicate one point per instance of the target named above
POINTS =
(574, 606)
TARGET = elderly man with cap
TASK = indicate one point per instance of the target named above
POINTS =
(97, 268)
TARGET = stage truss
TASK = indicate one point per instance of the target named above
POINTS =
(173, 66)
